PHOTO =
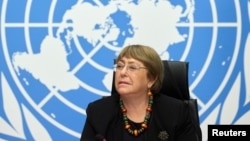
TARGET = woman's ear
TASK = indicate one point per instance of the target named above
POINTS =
(151, 83)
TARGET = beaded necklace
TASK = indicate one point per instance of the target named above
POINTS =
(144, 124)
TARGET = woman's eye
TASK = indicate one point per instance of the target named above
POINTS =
(119, 66)
(132, 68)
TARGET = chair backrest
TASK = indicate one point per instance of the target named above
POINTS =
(175, 83)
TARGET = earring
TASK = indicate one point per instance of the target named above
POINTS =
(150, 93)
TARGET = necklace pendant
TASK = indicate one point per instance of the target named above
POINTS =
(135, 132)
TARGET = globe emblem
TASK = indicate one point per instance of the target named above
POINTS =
(61, 58)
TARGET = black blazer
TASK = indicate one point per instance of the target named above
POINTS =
(169, 115)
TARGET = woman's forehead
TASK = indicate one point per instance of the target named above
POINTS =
(129, 60)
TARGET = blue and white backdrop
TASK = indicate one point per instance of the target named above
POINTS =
(57, 56)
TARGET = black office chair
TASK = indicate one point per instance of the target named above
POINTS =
(175, 84)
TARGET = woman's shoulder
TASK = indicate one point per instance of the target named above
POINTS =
(166, 102)
(101, 112)
(104, 104)
(162, 98)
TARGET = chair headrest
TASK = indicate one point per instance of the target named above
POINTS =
(175, 83)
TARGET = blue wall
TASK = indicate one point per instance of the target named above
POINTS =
(57, 56)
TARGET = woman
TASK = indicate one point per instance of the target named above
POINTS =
(138, 112)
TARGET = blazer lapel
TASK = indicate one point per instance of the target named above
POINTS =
(116, 130)
(156, 131)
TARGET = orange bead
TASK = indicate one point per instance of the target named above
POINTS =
(149, 109)
(144, 125)
(127, 126)
(135, 132)
(124, 110)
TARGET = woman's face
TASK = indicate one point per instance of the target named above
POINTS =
(131, 77)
